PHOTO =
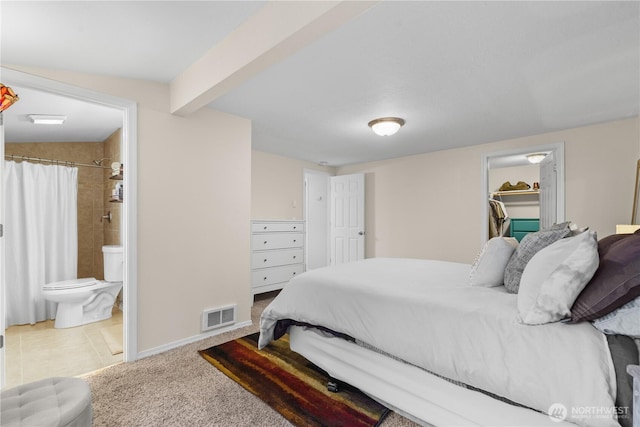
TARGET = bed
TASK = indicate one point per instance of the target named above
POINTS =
(415, 335)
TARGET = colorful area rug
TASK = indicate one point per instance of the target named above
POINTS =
(292, 385)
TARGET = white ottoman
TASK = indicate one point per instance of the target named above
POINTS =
(48, 402)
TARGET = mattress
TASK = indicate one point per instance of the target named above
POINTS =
(425, 313)
(410, 391)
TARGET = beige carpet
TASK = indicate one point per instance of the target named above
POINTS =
(113, 337)
(179, 388)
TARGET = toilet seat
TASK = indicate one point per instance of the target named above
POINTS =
(70, 284)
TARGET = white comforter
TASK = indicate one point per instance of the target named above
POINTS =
(425, 313)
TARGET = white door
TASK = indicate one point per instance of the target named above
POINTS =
(347, 218)
(316, 215)
(548, 191)
(2, 292)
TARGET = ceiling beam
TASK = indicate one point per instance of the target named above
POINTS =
(276, 31)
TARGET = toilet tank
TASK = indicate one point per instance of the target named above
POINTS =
(113, 263)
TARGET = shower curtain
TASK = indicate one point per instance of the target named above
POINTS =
(41, 236)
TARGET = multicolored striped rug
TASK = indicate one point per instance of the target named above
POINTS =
(292, 385)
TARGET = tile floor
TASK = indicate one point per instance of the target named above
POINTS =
(34, 352)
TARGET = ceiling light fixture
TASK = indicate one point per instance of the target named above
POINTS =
(536, 157)
(41, 119)
(386, 126)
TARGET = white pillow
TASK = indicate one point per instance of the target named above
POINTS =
(623, 321)
(488, 268)
(555, 276)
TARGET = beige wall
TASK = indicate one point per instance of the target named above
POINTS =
(194, 194)
(91, 205)
(277, 185)
(429, 206)
(194, 191)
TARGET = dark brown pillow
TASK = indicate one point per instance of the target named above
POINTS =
(615, 283)
(605, 243)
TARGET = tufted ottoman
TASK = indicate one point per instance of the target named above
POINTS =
(48, 402)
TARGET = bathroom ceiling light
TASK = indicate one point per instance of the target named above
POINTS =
(536, 157)
(386, 126)
(42, 119)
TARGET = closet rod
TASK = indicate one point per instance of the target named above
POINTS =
(56, 162)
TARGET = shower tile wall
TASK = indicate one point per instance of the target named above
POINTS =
(112, 230)
(92, 233)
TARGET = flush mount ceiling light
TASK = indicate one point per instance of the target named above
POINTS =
(536, 157)
(42, 119)
(386, 126)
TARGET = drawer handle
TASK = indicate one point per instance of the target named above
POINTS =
(294, 240)
(294, 257)
(264, 278)
(265, 227)
(265, 242)
(294, 273)
(294, 227)
(265, 260)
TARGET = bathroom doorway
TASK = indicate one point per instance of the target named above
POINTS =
(127, 229)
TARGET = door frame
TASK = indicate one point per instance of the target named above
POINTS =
(305, 210)
(556, 148)
(3, 299)
(129, 207)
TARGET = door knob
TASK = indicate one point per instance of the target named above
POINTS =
(361, 233)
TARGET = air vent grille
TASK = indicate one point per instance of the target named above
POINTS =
(217, 317)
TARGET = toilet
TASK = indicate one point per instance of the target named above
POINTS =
(82, 301)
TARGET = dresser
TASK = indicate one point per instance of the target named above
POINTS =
(520, 227)
(277, 253)
(626, 228)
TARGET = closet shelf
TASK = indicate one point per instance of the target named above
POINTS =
(515, 193)
(116, 177)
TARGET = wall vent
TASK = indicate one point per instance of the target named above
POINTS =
(217, 317)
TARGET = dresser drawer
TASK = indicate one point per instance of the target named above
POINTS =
(270, 276)
(520, 227)
(263, 259)
(257, 227)
(277, 253)
(521, 224)
(277, 241)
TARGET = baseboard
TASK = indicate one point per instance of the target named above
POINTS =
(180, 343)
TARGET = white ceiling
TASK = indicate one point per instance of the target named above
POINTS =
(459, 73)
(86, 122)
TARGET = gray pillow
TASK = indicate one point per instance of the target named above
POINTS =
(528, 247)
(624, 320)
